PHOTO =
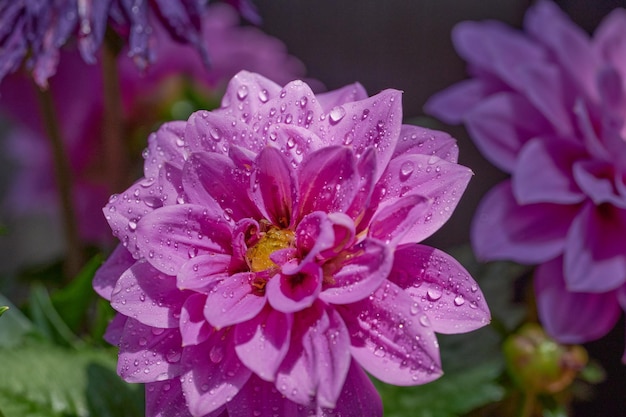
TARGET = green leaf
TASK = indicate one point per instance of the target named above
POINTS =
(14, 326)
(47, 320)
(3, 309)
(48, 381)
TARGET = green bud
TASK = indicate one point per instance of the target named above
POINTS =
(3, 309)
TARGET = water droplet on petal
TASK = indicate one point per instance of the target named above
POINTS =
(336, 114)
(242, 92)
(433, 294)
(406, 169)
(263, 96)
(459, 300)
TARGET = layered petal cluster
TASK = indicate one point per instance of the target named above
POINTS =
(77, 93)
(34, 30)
(269, 255)
(548, 106)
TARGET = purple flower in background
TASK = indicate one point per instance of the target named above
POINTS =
(269, 255)
(548, 106)
(77, 93)
(36, 30)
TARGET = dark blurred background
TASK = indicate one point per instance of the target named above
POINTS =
(405, 44)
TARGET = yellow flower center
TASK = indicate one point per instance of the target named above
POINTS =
(271, 241)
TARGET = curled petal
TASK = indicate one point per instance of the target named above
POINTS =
(269, 333)
(391, 339)
(149, 354)
(572, 317)
(293, 292)
(440, 287)
(233, 301)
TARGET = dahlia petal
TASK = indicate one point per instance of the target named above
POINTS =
(501, 124)
(232, 301)
(452, 104)
(202, 272)
(314, 234)
(610, 39)
(318, 359)
(294, 142)
(212, 378)
(172, 235)
(165, 399)
(210, 178)
(597, 180)
(390, 339)
(246, 94)
(327, 181)
(148, 296)
(572, 317)
(269, 333)
(261, 398)
(194, 329)
(213, 132)
(594, 259)
(531, 234)
(345, 94)
(429, 176)
(115, 329)
(359, 397)
(366, 168)
(550, 26)
(294, 292)
(366, 266)
(344, 235)
(420, 140)
(107, 275)
(164, 146)
(149, 354)
(442, 289)
(277, 186)
(543, 173)
(394, 221)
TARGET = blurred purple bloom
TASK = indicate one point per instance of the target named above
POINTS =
(269, 253)
(77, 93)
(35, 30)
(548, 106)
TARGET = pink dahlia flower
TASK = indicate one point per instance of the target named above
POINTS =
(78, 98)
(548, 106)
(269, 255)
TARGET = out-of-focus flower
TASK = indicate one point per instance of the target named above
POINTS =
(35, 30)
(269, 254)
(147, 98)
(548, 106)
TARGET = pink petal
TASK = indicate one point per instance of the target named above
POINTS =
(194, 328)
(215, 376)
(452, 104)
(328, 181)
(148, 296)
(246, 94)
(598, 181)
(214, 132)
(426, 176)
(165, 399)
(295, 292)
(394, 222)
(501, 124)
(294, 142)
(107, 275)
(172, 235)
(595, 252)
(210, 178)
(268, 332)
(572, 317)
(318, 359)
(543, 173)
(365, 267)
(417, 139)
(164, 146)
(115, 329)
(366, 167)
(529, 234)
(359, 397)
(202, 272)
(610, 39)
(346, 94)
(233, 301)
(261, 398)
(149, 354)
(277, 187)
(392, 340)
(440, 287)
(314, 234)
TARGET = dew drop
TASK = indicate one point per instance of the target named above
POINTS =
(459, 300)
(406, 169)
(336, 114)
(433, 294)
(263, 96)
(216, 354)
(242, 92)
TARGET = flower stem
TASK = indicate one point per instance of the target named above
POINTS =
(528, 404)
(65, 187)
(115, 156)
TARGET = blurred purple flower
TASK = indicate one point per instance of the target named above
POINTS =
(77, 93)
(548, 106)
(269, 253)
(35, 30)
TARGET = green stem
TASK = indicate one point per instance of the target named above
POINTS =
(115, 154)
(63, 174)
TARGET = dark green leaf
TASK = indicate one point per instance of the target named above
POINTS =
(47, 320)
